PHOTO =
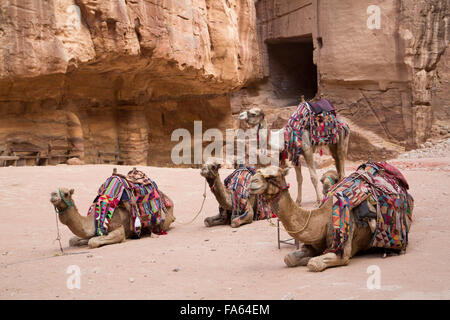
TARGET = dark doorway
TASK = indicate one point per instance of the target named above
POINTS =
(292, 70)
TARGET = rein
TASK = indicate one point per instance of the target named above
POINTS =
(201, 207)
(59, 212)
(280, 187)
(331, 180)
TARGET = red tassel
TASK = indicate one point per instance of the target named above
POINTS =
(321, 152)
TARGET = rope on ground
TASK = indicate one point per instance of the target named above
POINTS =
(58, 236)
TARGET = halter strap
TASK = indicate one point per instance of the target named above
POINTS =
(331, 180)
(68, 204)
(280, 187)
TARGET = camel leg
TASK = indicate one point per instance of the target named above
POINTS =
(337, 160)
(331, 259)
(77, 242)
(309, 158)
(300, 257)
(248, 218)
(340, 155)
(217, 220)
(298, 173)
(115, 236)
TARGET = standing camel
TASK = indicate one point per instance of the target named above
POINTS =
(255, 119)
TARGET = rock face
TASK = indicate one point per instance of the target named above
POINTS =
(109, 81)
(115, 64)
(385, 67)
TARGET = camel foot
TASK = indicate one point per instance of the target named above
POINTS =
(316, 264)
(207, 223)
(77, 242)
(94, 243)
(326, 260)
(295, 259)
(236, 223)
(213, 221)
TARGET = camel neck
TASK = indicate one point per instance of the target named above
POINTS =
(81, 226)
(221, 194)
(296, 220)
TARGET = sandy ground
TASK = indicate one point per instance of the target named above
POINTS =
(195, 262)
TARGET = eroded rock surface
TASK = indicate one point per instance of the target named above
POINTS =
(106, 60)
(108, 81)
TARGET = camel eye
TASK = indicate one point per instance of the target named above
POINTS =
(66, 194)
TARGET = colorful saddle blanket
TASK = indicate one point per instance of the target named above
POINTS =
(382, 190)
(147, 205)
(238, 183)
(323, 127)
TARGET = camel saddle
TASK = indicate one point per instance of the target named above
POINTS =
(322, 105)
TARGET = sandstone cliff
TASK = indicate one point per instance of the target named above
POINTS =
(111, 80)
(389, 78)
(106, 61)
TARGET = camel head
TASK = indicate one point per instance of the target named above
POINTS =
(269, 181)
(62, 199)
(210, 169)
(252, 117)
(328, 180)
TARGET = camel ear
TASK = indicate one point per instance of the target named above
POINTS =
(285, 171)
(71, 191)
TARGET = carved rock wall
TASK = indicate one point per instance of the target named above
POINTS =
(120, 76)
(101, 59)
(390, 79)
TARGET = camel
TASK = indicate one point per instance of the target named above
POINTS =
(328, 180)
(311, 227)
(255, 119)
(84, 226)
(210, 171)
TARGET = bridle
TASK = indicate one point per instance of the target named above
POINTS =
(69, 204)
(280, 189)
(331, 180)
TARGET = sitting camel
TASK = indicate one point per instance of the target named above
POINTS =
(255, 119)
(210, 171)
(311, 227)
(84, 226)
(328, 180)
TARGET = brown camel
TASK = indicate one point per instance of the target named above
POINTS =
(255, 118)
(84, 226)
(210, 171)
(328, 180)
(311, 227)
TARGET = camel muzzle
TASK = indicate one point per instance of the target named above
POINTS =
(243, 116)
(54, 198)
